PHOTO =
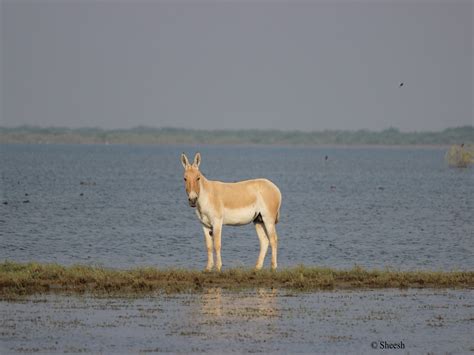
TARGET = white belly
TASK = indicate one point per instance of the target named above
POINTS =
(239, 216)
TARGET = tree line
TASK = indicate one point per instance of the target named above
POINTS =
(150, 135)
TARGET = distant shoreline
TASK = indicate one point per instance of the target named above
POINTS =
(165, 136)
(262, 145)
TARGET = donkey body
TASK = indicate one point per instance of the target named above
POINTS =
(218, 203)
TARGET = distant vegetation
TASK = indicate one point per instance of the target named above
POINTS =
(28, 278)
(460, 156)
(149, 135)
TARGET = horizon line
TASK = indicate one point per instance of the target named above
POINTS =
(156, 128)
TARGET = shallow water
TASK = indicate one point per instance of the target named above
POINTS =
(269, 321)
(124, 206)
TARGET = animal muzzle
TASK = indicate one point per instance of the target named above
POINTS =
(192, 200)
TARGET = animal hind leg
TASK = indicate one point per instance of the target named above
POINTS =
(273, 237)
(262, 237)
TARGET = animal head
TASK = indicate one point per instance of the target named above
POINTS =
(192, 177)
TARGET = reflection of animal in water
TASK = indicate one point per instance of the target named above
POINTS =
(261, 304)
(218, 203)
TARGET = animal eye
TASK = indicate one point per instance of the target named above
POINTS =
(184, 179)
(199, 178)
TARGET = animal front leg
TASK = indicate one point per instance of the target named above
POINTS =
(210, 253)
(216, 233)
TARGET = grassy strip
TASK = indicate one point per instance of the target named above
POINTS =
(29, 278)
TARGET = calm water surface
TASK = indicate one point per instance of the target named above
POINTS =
(260, 321)
(125, 206)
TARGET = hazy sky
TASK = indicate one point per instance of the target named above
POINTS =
(306, 65)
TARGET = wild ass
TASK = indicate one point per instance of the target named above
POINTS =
(234, 204)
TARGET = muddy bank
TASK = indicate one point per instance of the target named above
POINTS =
(262, 320)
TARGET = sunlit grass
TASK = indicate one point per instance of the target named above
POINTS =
(30, 278)
(460, 156)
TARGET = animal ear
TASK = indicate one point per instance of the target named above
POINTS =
(197, 159)
(184, 161)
